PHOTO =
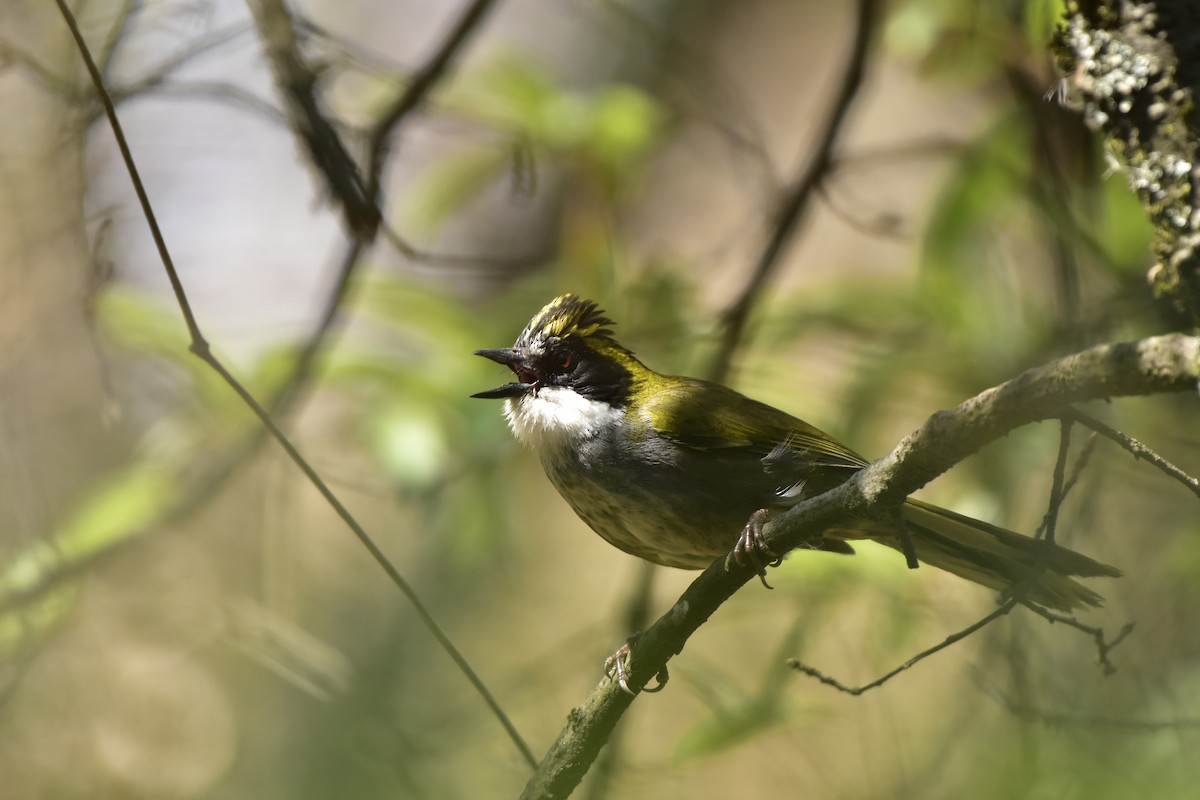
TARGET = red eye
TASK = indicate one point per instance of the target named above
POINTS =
(568, 360)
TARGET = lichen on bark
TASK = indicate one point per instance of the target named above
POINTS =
(1131, 68)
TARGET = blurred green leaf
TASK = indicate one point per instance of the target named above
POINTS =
(965, 288)
(150, 325)
(1121, 227)
(116, 510)
(954, 41)
(450, 184)
(112, 512)
(28, 624)
(625, 124)
(914, 27)
(733, 727)
(511, 91)
(410, 441)
(1042, 17)
(122, 506)
(600, 134)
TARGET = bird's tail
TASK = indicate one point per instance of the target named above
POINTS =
(1027, 568)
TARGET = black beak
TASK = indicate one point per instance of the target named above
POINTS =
(514, 359)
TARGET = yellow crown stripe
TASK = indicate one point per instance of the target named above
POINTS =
(569, 315)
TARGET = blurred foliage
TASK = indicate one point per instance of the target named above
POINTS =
(604, 136)
(1022, 256)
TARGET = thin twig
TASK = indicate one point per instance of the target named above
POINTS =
(1058, 492)
(885, 225)
(706, 94)
(422, 81)
(157, 75)
(799, 666)
(1104, 646)
(1137, 449)
(200, 347)
(220, 90)
(125, 17)
(409, 250)
(794, 204)
(1081, 462)
(1057, 495)
(198, 343)
(928, 147)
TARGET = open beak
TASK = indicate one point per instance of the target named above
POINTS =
(514, 359)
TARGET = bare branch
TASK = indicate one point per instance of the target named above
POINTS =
(159, 73)
(124, 19)
(1050, 521)
(1139, 450)
(1104, 646)
(1155, 365)
(219, 90)
(409, 250)
(794, 203)
(1058, 492)
(884, 225)
(1085, 456)
(297, 82)
(953, 638)
(931, 147)
(422, 81)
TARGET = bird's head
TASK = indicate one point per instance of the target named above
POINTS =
(572, 377)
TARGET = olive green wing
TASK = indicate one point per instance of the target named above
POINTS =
(710, 417)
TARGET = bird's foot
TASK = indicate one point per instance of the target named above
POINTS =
(617, 666)
(751, 548)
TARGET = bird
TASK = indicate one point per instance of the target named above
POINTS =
(681, 471)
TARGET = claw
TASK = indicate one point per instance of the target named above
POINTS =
(614, 666)
(662, 677)
(751, 546)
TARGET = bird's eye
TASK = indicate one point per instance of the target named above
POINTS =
(567, 361)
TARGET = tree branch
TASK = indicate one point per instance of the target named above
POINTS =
(1130, 68)
(953, 638)
(1149, 366)
(297, 82)
(1058, 492)
(423, 80)
(1137, 450)
(794, 203)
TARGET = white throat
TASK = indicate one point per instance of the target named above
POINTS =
(557, 417)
